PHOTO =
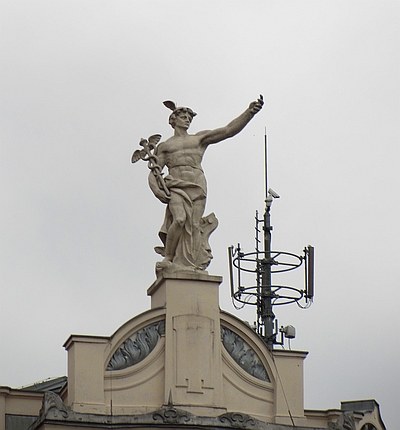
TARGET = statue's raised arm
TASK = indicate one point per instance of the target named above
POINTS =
(185, 230)
(209, 137)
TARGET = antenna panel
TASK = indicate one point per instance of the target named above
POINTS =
(310, 272)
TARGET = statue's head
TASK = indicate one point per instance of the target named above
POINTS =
(176, 111)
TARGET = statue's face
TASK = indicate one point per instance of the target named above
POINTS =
(183, 119)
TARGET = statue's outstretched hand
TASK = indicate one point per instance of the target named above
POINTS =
(256, 106)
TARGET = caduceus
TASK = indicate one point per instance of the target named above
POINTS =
(147, 154)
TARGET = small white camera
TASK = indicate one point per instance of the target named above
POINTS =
(273, 193)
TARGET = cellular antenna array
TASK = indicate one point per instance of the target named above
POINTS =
(263, 262)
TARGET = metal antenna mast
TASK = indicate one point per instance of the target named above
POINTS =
(264, 262)
(267, 314)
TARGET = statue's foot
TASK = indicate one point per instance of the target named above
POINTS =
(168, 267)
(163, 265)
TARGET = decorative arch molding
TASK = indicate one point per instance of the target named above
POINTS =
(260, 361)
(137, 347)
(134, 340)
(243, 354)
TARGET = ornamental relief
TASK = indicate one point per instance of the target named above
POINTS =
(243, 354)
(137, 347)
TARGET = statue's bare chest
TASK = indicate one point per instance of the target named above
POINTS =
(183, 148)
(185, 143)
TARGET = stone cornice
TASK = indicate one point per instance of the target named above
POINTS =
(54, 412)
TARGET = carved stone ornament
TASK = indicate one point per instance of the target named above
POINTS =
(243, 355)
(344, 422)
(137, 347)
(170, 415)
(238, 420)
(52, 407)
(53, 401)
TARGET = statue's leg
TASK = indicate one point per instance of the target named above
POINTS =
(175, 230)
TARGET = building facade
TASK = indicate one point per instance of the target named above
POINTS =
(184, 363)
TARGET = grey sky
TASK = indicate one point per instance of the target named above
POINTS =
(82, 81)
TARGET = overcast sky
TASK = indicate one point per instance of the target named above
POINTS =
(82, 81)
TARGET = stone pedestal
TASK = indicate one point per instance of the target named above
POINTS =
(193, 376)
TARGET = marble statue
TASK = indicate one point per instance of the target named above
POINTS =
(185, 231)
